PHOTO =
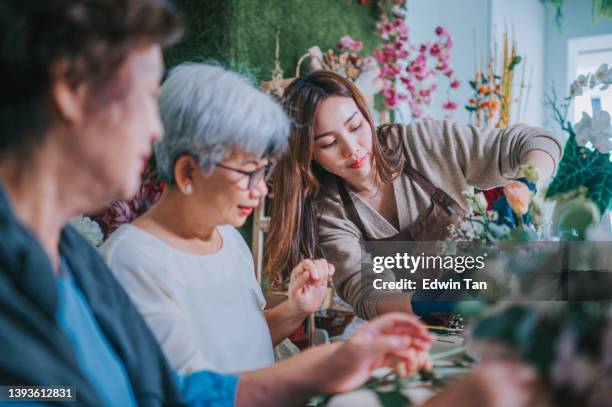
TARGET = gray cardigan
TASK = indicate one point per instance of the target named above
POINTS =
(454, 157)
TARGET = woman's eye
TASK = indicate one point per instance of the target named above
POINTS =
(357, 128)
(324, 146)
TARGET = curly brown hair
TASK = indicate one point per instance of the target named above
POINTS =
(93, 36)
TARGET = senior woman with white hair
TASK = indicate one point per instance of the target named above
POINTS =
(183, 263)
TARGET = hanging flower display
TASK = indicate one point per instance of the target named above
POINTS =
(409, 70)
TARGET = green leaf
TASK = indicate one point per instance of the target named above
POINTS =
(393, 399)
(577, 167)
(503, 326)
(472, 84)
(600, 190)
(515, 61)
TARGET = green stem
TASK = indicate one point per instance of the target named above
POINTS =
(451, 352)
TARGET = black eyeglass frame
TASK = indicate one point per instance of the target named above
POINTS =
(254, 176)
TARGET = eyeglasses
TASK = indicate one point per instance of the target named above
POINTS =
(264, 172)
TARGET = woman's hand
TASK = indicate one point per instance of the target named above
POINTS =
(308, 285)
(385, 341)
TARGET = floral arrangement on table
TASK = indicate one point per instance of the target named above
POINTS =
(569, 343)
(516, 214)
(585, 170)
(413, 66)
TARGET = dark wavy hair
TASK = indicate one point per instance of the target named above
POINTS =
(294, 212)
(93, 36)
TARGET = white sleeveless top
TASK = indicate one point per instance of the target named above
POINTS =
(206, 311)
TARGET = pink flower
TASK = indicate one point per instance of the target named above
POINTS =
(518, 196)
(455, 84)
(442, 66)
(346, 42)
(440, 30)
(449, 105)
(416, 112)
(380, 56)
(449, 41)
(435, 50)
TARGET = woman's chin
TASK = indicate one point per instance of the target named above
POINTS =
(238, 221)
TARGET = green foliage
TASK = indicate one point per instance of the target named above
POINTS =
(515, 61)
(579, 166)
(557, 6)
(602, 8)
(245, 30)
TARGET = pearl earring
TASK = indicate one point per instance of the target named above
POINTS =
(188, 188)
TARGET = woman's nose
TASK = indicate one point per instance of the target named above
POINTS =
(260, 189)
(349, 148)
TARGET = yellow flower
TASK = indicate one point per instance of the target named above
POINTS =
(518, 196)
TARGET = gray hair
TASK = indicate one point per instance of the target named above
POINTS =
(207, 111)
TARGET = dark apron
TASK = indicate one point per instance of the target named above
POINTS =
(431, 226)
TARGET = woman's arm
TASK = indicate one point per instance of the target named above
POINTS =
(337, 367)
(283, 320)
(455, 156)
(307, 289)
(542, 161)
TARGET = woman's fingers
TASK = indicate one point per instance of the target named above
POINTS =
(320, 269)
(300, 280)
(398, 323)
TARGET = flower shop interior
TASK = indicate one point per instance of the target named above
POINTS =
(533, 78)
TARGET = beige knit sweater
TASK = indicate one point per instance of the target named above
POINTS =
(454, 157)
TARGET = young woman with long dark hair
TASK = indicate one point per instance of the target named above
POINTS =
(345, 181)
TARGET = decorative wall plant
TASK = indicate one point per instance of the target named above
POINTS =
(601, 8)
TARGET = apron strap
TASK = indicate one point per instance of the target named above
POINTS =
(420, 179)
(350, 209)
(435, 193)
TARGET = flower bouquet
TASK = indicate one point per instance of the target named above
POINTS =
(517, 214)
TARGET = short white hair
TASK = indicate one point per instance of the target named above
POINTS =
(207, 111)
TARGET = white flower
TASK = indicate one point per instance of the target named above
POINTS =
(582, 80)
(575, 89)
(481, 203)
(472, 228)
(477, 201)
(603, 76)
(89, 229)
(596, 130)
